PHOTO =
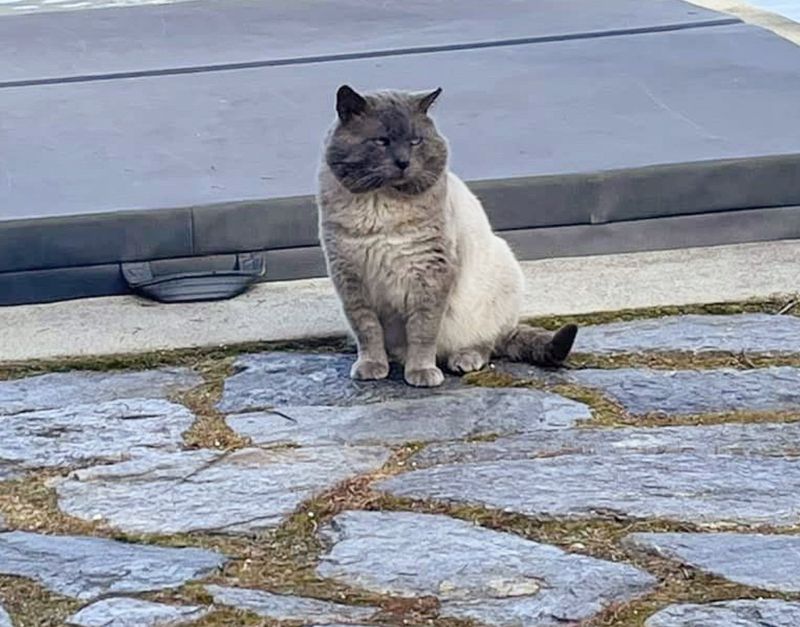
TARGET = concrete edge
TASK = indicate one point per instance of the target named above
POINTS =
(778, 24)
(295, 310)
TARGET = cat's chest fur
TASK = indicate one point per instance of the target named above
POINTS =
(392, 242)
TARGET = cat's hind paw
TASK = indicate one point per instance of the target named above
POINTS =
(365, 370)
(425, 377)
(465, 361)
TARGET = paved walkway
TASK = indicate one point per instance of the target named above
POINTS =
(655, 482)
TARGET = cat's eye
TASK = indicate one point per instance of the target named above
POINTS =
(416, 141)
(381, 141)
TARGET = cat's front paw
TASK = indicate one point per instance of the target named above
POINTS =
(367, 370)
(425, 377)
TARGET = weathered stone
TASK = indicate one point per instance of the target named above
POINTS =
(8, 471)
(108, 431)
(86, 568)
(754, 439)
(51, 391)
(288, 607)
(5, 619)
(488, 576)
(3, 525)
(695, 487)
(770, 562)
(124, 612)
(744, 613)
(757, 333)
(243, 491)
(642, 391)
(460, 414)
(268, 380)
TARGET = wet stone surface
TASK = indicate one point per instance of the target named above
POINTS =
(685, 392)
(744, 613)
(752, 333)
(491, 577)
(86, 568)
(62, 389)
(77, 434)
(244, 491)
(288, 607)
(125, 612)
(768, 562)
(456, 415)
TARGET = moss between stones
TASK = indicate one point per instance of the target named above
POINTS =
(32, 605)
(209, 429)
(676, 360)
(190, 357)
(785, 304)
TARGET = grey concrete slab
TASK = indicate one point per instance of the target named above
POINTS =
(203, 33)
(609, 103)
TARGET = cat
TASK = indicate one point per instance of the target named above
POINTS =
(421, 277)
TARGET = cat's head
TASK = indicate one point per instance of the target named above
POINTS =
(385, 140)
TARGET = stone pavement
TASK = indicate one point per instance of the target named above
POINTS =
(654, 482)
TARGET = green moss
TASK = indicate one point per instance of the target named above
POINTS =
(769, 305)
(189, 357)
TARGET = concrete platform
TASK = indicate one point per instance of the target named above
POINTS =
(592, 128)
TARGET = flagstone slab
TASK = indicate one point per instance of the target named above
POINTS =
(282, 379)
(751, 333)
(685, 392)
(126, 612)
(753, 439)
(769, 562)
(289, 607)
(459, 414)
(244, 491)
(692, 487)
(61, 389)
(86, 568)
(77, 434)
(491, 577)
(5, 619)
(743, 613)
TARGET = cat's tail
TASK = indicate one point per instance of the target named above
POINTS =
(537, 346)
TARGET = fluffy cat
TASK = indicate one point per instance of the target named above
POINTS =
(420, 274)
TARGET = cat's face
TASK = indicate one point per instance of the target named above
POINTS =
(385, 139)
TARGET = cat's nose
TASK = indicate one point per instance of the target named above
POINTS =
(401, 163)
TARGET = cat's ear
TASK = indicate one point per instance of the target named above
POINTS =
(426, 100)
(349, 103)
